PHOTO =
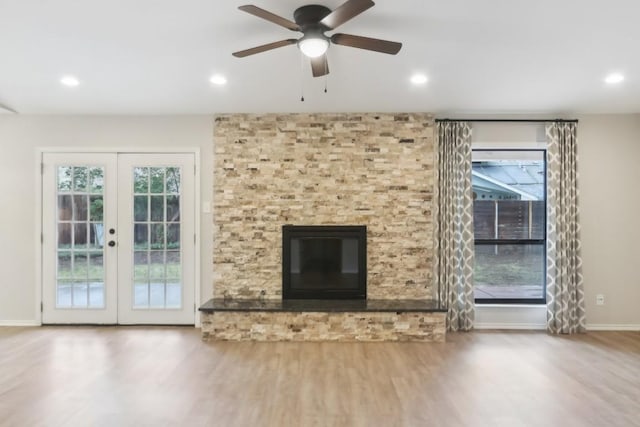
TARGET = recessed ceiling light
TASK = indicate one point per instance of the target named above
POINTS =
(70, 81)
(614, 78)
(418, 79)
(218, 79)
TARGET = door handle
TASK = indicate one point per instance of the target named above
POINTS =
(112, 243)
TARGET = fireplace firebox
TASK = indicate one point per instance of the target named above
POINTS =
(324, 262)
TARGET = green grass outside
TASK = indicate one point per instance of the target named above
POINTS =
(511, 266)
(140, 272)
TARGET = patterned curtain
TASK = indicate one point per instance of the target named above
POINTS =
(453, 224)
(565, 293)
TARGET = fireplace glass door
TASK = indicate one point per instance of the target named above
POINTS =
(324, 262)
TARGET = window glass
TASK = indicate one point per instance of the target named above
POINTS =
(509, 190)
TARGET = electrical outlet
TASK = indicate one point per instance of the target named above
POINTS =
(599, 299)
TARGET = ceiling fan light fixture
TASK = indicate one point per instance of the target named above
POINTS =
(313, 47)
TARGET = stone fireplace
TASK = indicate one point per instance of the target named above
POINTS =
(374, 170)
(331, 169)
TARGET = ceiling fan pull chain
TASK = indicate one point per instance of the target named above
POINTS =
(326, 74)
(301, 77)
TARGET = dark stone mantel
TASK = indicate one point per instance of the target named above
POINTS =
(322, 306)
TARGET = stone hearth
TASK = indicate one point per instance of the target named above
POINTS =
(323, 320)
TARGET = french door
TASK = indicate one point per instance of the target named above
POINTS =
(118, 243)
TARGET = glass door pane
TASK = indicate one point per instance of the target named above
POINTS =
(156, 238)
(80, 278)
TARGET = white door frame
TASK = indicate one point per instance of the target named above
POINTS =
(39, 194)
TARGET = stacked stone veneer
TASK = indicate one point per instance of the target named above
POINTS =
(323, 169)
(312, 326)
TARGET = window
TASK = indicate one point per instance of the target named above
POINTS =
(509, 214)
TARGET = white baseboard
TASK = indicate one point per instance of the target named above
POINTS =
(19, 323)
(612, 327)
(542, 326)
(521, 326)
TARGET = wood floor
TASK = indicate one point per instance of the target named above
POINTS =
(139, 376)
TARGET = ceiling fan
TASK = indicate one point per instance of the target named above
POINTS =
(313, 21)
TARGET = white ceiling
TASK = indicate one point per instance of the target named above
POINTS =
(156, 57)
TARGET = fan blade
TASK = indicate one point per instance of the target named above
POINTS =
(367, 43)
(319, 66)
(261, 13)
(345, 12)
(263, 48)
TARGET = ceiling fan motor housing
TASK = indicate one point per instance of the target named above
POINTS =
(309, 17)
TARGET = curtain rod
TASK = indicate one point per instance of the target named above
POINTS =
(510, 120)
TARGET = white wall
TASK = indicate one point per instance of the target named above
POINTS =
(609, 155)
(21, 136)
(609, 181)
